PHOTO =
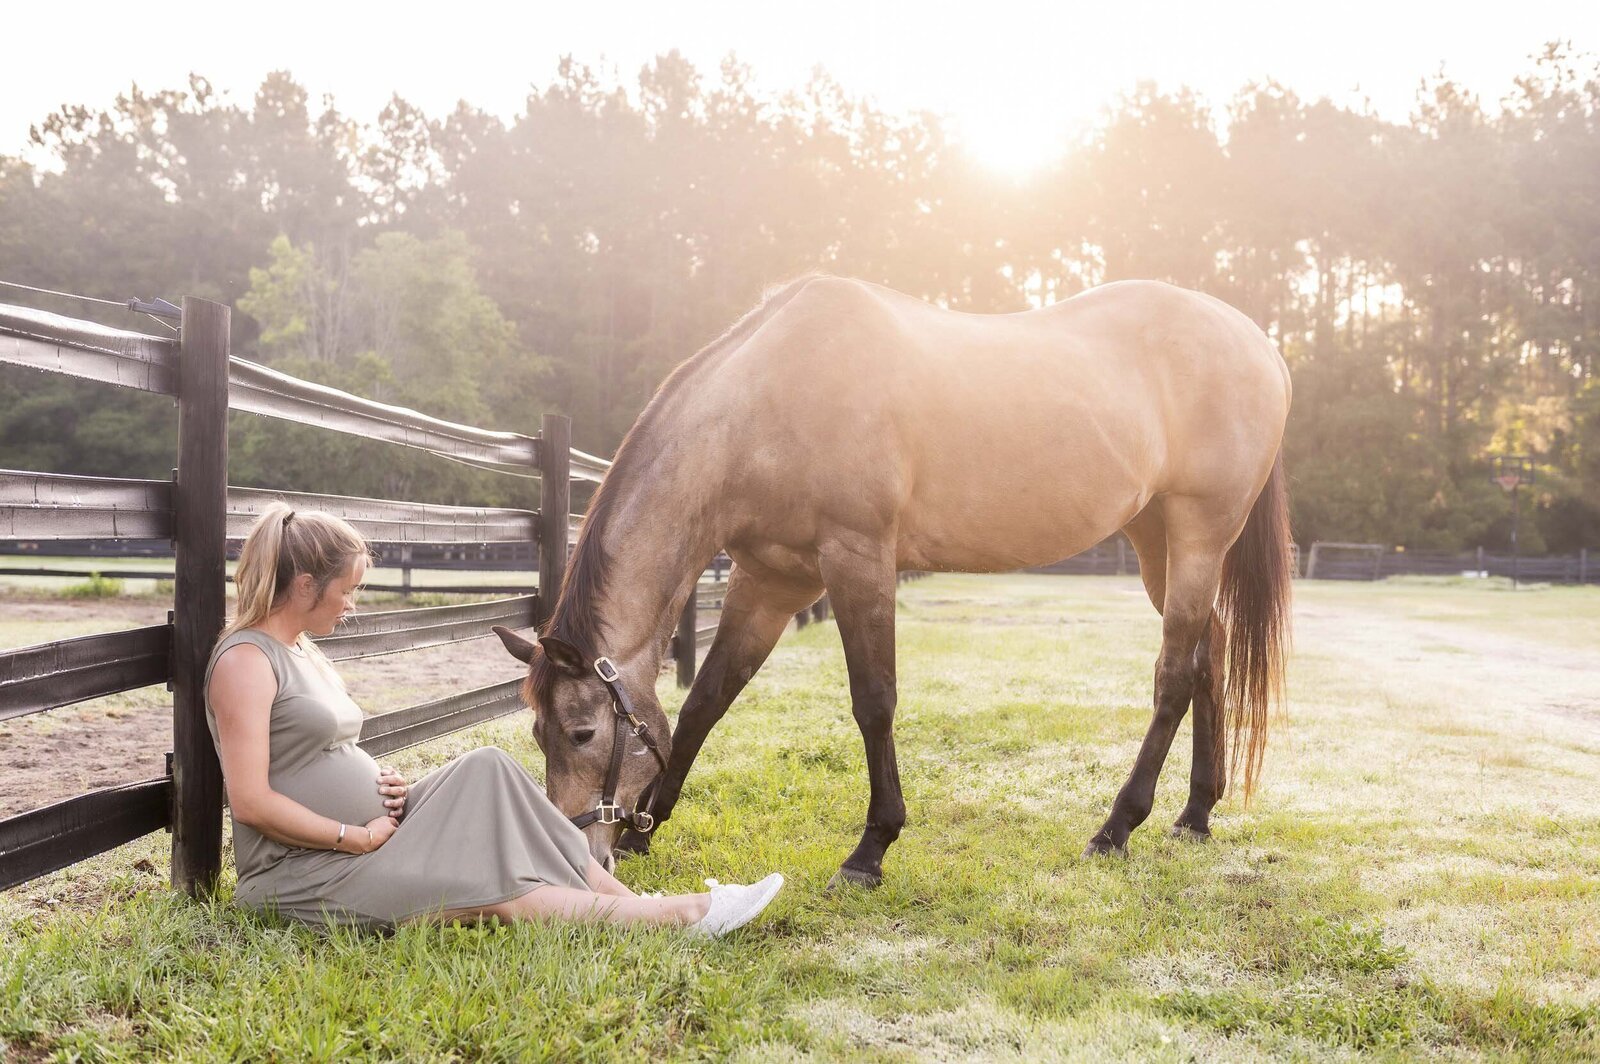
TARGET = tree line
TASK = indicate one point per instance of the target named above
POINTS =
(1434, 284)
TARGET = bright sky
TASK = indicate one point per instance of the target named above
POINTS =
(1012, 76)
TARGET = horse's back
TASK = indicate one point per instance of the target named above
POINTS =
(994, 441)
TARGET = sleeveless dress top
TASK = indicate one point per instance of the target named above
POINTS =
(476, 831)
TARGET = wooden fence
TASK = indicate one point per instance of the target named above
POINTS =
(1373, 561)
(198, 512)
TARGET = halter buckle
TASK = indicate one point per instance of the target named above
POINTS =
(602, 666)
(608, 813)
(643, 822)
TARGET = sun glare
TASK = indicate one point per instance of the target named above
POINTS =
(1012, 142)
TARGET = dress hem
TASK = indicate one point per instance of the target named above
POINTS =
(355, 916)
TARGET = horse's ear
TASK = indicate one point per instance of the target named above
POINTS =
(520, 648)
(563, 655)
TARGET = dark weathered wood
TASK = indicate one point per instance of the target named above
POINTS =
(258, 390)
(367, 635)
(40, 841)
(200, 515)
(143, 574)
(381, 520)
(109, 574)
(49, 675)
(388, 732)
(686, 643)
(51, 506)
(555, 504)
(83, 349)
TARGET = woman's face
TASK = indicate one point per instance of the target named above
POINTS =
(338, 601)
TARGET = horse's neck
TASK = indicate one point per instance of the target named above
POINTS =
(658, 541)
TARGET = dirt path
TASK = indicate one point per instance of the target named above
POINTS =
(1561, 683)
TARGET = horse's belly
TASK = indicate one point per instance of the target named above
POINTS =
(997, 531)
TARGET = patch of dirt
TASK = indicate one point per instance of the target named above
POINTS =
(1553, 681)
(124, 738)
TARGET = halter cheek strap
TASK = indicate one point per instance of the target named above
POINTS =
(628, 722)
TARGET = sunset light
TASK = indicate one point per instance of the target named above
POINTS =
(886, 530)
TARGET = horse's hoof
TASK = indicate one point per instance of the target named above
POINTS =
(847, 877)
(633, 843)
(1099, 847)
(1183, 831)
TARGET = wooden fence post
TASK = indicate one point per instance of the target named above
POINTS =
(1583, 565)
(555, 504)
(687, 622)
(200, 526)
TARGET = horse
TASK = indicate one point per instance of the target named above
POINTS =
(841, 432)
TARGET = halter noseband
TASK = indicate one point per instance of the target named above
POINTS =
(608, 811)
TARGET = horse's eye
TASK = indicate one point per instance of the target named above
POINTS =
(582, 736)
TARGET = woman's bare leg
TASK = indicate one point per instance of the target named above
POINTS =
(602, 882)
(568, 903)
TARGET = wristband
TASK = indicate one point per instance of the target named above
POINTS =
(340, 839)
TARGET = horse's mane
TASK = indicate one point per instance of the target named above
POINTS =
(574, 619)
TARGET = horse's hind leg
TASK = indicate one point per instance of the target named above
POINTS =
(860, 576)
(1193, 572)
(1208, 776)
(754, 613)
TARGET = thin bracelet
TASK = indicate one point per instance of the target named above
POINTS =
(340, 839)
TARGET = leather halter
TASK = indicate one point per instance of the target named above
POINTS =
(608, 811)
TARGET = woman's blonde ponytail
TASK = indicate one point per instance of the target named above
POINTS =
(281, 545)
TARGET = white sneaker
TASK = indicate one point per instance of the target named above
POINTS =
(734, 906)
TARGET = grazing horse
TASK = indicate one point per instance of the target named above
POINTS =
(841, 432)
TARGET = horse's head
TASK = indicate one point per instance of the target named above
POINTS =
(576, 723)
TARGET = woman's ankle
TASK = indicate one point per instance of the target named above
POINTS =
(694, 908)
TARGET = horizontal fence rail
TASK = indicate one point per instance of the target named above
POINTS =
(44, 840)
(383, 521)
(41, 340)
(387, 732)
(149, 363)
(369, 635)
(588, 467)
(260, 390)
(50, 675)
(50, 506)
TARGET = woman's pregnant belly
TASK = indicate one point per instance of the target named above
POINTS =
(341, 783)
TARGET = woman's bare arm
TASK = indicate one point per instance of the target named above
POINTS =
(242, 691)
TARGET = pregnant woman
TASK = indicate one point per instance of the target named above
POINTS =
(324, 834)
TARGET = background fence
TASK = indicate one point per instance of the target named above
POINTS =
(194, 517)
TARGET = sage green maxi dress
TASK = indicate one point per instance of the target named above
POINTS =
(476, 831)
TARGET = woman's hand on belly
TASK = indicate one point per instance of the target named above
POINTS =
(378, 831)
(394, 789)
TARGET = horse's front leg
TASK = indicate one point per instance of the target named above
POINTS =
(860, 577)
(754, 613)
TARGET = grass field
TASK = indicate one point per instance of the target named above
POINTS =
(1419, 876)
